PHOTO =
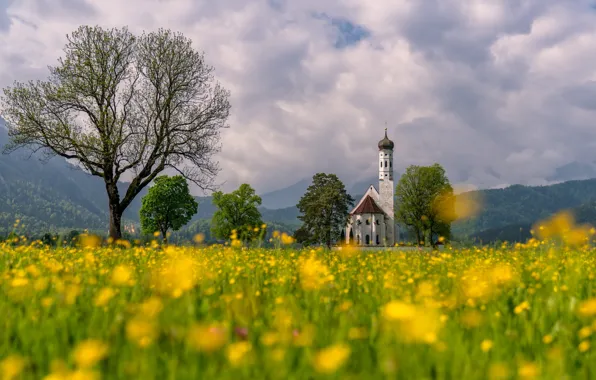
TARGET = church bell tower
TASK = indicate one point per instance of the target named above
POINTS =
(386, 186)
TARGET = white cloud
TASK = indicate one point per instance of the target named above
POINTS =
(496, 91)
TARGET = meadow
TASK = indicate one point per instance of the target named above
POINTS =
(227, 312)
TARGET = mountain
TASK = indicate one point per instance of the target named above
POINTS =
(524, 205)
(52, 194)
(573, 171)
(286, 197)
(520, 232)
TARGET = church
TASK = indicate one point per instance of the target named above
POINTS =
(372, 221)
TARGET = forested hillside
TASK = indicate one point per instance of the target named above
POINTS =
(507, 210)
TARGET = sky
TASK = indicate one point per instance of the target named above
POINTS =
(497, 91)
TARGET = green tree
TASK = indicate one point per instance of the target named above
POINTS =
(123, 104)
(425, 202)
(167, 205)
(238, 211)
(324, 210)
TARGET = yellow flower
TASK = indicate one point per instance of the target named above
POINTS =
(103, 297)
(237, 352)
(313, 273)
(286, 239)
(528, 371)
(398, 311)
(199, 238)
(121, 275)
(142, 332)
(89, 352)
(584, 346)
(151, 308)
(588, 308)
(12, 366)
(331, 358)
(176, 276)
(547, 339)
(486, 345)
(521, 307)
(207, 338)
(89, 241)
(584, 332)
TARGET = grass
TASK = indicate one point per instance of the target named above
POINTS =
(127, 312)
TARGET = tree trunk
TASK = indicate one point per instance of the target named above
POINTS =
(115, 212)
(115, 222)
(164, 233)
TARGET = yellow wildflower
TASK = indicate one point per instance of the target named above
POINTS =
(331, 358)
(89, 352)
(142, 332)
(122, 275)
(207, 338)
(486, 345)
(237, 352)
(103, 297)
(12, 366)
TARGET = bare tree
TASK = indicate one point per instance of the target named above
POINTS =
(119, 103)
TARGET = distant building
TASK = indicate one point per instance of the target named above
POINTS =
(372, 221)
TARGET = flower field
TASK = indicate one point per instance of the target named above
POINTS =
(122, 312)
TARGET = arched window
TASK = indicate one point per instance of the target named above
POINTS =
(381, 164)
(367, 222)
(390, 164)
(378, 241)
(367, 239)
(377, 222)
(385, 163)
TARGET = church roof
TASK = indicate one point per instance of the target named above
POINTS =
(367, 206)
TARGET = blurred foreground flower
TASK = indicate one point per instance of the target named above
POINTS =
(413, 323)
(12, 366)
(330, 359)
(562, 226)
(89, 241)
(89, 352)
(237, 353)
(313, 273)
(122, 275)
(176, 276)
(207, 338)
(142, 332)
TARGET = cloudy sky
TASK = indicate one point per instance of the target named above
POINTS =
(498, 91)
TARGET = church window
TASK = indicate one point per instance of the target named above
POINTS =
(381, 163)
(378, 241)
(377, 222)
(367, 222)
(390, 164)
(367, 239)
(385, 163)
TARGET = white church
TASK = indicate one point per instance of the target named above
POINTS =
(372, 221)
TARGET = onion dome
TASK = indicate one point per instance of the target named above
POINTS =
(386, 143)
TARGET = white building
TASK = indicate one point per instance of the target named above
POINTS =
(372, 221)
